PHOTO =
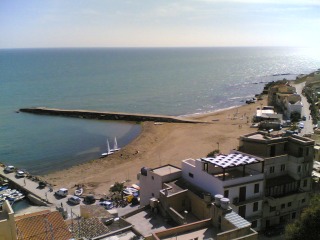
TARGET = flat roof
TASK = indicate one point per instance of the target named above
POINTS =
(165, 170)
(231, 160)
(236, 220)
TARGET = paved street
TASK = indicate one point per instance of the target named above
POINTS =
(308, 126)
(27, 185)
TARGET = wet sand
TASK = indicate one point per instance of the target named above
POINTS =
(160, 144)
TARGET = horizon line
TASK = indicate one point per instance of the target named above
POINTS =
(149, 47)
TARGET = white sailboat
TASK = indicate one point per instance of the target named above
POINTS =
(115, 145)
(109, 151)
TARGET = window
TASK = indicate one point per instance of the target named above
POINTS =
(283, 206)
(254, 224)
(205, 167)
(289, 204)
(255, 206)
(299, 169)
(271, 169)
(152, 194)
(293, 216)
(305, 182)
(190, 174)
(226, 193)
(303, 200)
(285, 147)
(152, 177)
(300, 152)
(273, 151)
(307, 151)
(282, 167)
(256, 188)
(272, 209)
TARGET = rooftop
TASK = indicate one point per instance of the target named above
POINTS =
(35, 226)
(165, 170)
(231, 160)
(236, 220)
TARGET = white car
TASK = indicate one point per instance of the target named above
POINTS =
(62, 192)
(301, 125)
(107, 204)
(20, 174)
(9, 169)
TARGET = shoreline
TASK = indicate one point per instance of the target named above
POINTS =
(156, 145)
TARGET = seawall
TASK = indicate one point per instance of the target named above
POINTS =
(88, 114)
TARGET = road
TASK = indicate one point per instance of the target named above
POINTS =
(308, 126)
(47, 196)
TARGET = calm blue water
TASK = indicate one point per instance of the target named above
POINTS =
(172, 81)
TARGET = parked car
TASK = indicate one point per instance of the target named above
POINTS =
(74, 200)
(62, 192)
(9, 169)
(304, 118)
(301, 125)
(106, 204)
(20, 173)
(89, 199)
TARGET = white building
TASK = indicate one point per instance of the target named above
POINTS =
(238, 176)
(152, 180)
(292, 103)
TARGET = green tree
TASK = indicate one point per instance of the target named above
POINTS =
(295, 117)
(307, 226)
(213, 153)
(117, 187)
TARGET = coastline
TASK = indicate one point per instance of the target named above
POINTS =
(168, 143)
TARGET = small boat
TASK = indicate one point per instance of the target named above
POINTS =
(115, 146)
(78, 191)
(109, 151)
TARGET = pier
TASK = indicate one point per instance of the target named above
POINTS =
(88, 114)
(42, 196)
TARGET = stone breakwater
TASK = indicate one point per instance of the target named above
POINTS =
(116, 116)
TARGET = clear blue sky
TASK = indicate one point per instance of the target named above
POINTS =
(160, 23)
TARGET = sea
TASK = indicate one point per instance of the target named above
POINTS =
(170, 81)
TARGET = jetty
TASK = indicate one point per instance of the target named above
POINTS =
(116, 116)
(39, 196)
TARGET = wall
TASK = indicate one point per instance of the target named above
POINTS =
(242, 233)
(7, 222)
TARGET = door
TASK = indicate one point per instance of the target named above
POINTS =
(242, 194)
(242, 211)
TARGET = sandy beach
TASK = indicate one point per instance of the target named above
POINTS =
(160, 144)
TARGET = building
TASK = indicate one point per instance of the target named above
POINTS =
(190, 207)
(39, 225)
(292, 103)
(7, 223)
(224, 224)
(152, 181)
(275, 93)
(288, 165)
(238, 176)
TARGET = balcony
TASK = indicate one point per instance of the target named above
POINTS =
(237, 202)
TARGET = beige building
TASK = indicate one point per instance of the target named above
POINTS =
(39, 225)
(224, 224)
(288, 165)
(7, 223)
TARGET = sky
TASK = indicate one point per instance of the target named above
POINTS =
(160, 23)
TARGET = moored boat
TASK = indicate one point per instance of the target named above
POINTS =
(78, 191)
